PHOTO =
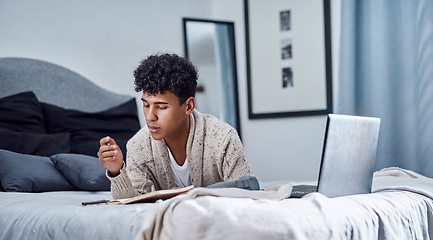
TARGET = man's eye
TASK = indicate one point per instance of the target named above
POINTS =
(146, 106)
(162, 107)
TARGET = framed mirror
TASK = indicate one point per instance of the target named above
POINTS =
(210, 46)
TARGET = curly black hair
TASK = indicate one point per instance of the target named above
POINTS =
(166, 72)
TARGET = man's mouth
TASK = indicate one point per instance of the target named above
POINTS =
(153, 129)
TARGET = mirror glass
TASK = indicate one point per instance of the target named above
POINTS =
(210, 46)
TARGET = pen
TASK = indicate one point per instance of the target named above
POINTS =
(95, 202)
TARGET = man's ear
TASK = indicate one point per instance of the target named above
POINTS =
(190, 105)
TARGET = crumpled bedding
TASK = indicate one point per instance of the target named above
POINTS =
(389, 213)
(395, 178)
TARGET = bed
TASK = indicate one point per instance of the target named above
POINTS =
(51, 120)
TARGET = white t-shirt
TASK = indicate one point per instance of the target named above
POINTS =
(180, 173)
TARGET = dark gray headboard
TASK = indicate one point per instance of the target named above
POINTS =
(55, 85)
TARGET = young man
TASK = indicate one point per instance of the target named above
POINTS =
(180, 146)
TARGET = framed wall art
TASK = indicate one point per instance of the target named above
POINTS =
(289, 68)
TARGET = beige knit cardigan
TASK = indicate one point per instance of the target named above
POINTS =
(214, 153)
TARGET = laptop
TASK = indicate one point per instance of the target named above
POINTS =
(348, 156)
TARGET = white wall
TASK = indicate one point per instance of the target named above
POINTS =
(104, 40)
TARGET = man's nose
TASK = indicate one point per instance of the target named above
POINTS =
(151, 114)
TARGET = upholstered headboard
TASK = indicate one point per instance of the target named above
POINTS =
(55, 85)
(47, 110)
(43, 104)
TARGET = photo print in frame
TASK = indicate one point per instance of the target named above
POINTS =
(289, 70)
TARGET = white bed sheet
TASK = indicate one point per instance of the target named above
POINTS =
(60, 215)
(404, 212)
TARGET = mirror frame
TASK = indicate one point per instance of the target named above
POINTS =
(231, 32)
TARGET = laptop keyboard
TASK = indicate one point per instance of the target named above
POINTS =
(299, 191)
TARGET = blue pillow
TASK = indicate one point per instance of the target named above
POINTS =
(29, 173)
(84, 172)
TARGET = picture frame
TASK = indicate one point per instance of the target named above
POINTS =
(289, 63)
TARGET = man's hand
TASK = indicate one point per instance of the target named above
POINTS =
(110, 156)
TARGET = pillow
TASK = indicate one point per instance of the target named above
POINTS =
(21, 112)
(86, 129)
(41, 144)
(84, 172)
(28, 173)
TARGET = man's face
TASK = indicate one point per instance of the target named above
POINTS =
(164, 117)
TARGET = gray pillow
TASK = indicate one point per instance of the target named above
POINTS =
(29, 173)
(84, 172)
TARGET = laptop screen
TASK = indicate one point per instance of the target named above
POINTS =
(348, 156)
